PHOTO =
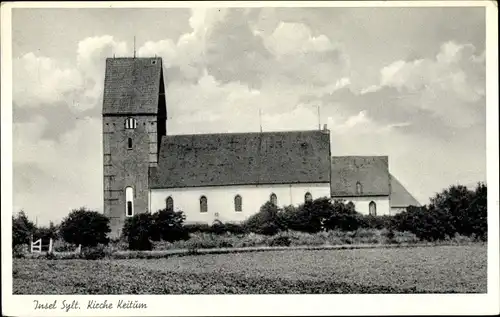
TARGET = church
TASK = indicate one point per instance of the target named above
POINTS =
(223, 176)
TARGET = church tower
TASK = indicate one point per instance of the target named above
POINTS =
(134, 121)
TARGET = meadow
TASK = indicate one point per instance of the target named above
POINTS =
(436, 269)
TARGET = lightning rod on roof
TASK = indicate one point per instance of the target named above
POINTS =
(319, 119)
(260, 119)
(134, 46)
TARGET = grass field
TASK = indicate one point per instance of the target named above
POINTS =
(443, 269)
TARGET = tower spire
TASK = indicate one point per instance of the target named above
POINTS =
(134, 46)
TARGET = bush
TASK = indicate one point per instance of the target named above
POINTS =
(94, 253)
(343, 217)
(426, 223)
(85, 227)
(223, 228)
(22, 229)
(280, 241)
(138, 230)
(307, 217)
(478, 213)
(63, 246)
(266, 221)
(390, 235)
(168, 226)
(456, 210)
(50, 256)
(19, 251)
(46, 233)
(376, 222)
(197, 227)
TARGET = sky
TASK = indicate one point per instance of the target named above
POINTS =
(404, 82)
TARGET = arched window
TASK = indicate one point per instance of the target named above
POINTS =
(359, 188)
(237, 203)
(308, 197)
(203, 204)
(130, 123)
(129, 143)
(274, 199)
(170, 203)
(372, 208)
(129, 198)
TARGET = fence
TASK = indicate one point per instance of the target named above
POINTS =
(38, 247)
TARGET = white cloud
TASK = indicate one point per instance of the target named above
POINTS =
(71, 169)
(449, 85)
(302, 63)
(41, 80)
(293, 38)
(210, 106)
(189, 52)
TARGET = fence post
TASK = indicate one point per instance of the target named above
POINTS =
(31, 244)
(50, 245)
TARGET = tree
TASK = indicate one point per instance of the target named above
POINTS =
(46, 233)
(138, 230)
(168, 225)
(85, 227)
(266, 221)
(453, 207)
(309, 217)
(22, 229)
(343, 216)
(425, 222)
(478, 213)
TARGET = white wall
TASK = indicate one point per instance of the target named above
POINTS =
(221, 199)
(397, 210)
(362, 203)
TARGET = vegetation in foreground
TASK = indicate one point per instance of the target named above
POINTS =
(458, 269)
(457, 215)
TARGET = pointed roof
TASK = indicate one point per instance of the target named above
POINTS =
(371, 172)
(400, 197)
(132, 85)
(242, 159)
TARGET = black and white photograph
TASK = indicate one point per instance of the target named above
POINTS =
(245, 148)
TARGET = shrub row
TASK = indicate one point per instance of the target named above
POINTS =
(455, 211)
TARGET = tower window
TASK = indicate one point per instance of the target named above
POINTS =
(129, 198)
(372, 208)
(203, 204)
(170, 203)
(359, 188)
(153, 62)
(308, 197)
(238, 203)
(274, 199)
(129, 143)
(130, 123)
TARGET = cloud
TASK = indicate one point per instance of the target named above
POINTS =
(452, 85)
(296, 38)
(189, 52)
(40, 80)
(425, 112)
(51, 177)
(209, 106)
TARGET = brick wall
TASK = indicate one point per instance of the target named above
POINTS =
(125, 167)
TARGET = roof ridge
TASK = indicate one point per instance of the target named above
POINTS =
(245, 133)
(131, 58)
